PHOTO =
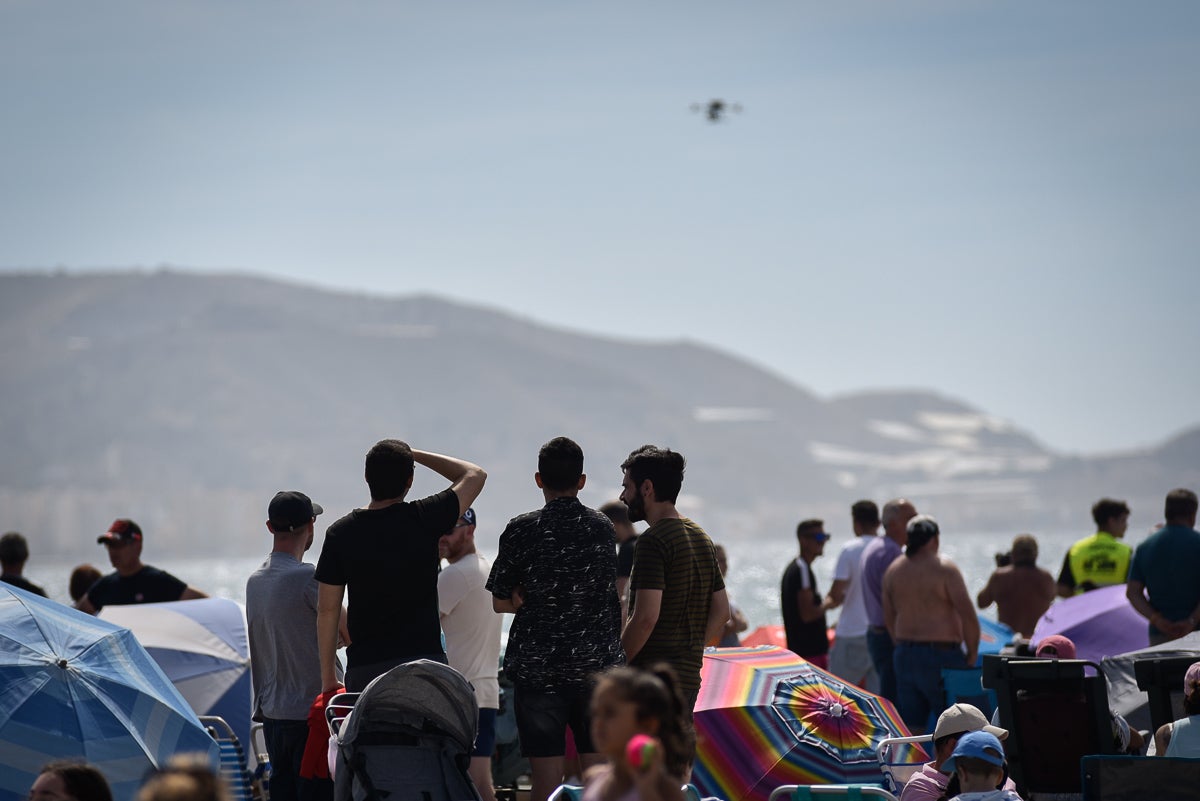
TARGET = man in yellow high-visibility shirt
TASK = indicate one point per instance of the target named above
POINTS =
(1101, 559)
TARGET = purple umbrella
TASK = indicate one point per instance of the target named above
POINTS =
(1101, 623)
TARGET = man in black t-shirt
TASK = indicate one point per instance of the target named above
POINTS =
(387, 554)
(800, 599)
(132, 582)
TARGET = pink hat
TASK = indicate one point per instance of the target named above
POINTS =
(1191, 679)
(1057, 646)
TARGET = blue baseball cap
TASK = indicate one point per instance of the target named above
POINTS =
(979, 745)
(468, 516)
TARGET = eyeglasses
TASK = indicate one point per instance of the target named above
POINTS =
(820, 536)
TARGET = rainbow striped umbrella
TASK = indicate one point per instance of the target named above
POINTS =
(765, 717)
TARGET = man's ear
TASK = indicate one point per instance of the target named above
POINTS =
(582, 481)
(647, 490)
(537, 479)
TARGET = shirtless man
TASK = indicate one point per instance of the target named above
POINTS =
(929, 615)
(1022, 591)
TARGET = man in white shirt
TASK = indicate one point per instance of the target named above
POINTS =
(472, 632)
(849, 657)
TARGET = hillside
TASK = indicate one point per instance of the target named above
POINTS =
(184, 401)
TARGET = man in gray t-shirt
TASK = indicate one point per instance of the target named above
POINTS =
(281, 613)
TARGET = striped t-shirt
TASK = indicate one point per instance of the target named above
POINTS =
(676, 556)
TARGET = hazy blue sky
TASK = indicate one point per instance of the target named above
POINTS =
(997, 200)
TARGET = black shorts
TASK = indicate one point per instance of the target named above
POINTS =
(485, 738)
(543, 718)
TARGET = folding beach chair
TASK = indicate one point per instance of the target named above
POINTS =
(901, 757)
(233, 766)
(1162, 679)
(804, 792)
(1135, 778)
(262, 771)
(1056, 715)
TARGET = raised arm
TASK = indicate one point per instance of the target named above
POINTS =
(466, 479)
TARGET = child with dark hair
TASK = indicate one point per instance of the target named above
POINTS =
(640, 726)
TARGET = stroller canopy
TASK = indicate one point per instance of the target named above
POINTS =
(417, 694)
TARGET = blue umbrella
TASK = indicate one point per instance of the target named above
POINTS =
(202, 648)
(72, 686)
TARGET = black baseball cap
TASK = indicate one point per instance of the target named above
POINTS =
(291, 510)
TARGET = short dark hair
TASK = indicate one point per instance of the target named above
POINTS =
(389, 469)
(663, 467)
(616, 512)
(560, 464)
(810, 526)
(1106, 509)
(1180, 505)
(865, 512)
(921, 529)
(13, 548)
(81, 781)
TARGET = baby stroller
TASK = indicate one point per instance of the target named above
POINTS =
(408, 737)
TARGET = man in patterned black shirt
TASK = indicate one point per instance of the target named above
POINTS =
(556, 571)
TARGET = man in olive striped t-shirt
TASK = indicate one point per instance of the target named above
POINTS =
(677, 599)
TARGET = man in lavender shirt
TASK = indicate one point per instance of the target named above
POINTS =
(876, 558)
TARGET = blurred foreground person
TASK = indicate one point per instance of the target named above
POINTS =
(70, 781)
(14, 553)
(185, 778)
(1021, 590)
(132, 582)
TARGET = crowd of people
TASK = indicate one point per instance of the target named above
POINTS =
(609, 626)
(589, 664)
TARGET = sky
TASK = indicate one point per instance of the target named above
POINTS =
(998, 201)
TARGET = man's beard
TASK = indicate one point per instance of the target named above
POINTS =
(637, 509)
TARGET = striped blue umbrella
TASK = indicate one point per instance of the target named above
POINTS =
(72, 686)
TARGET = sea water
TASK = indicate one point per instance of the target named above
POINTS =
(755, 567)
